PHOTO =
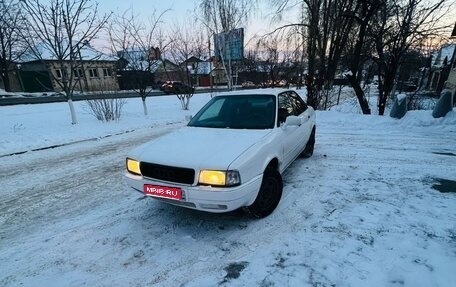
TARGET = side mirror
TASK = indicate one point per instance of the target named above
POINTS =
(292, 121)
(188, 118)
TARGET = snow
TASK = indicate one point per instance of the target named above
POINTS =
(401, 97)
(446, 51)
(27, 127)
(86, 52)
(360, 212)
(5, 93)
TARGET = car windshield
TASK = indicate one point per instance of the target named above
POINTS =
(237, 112)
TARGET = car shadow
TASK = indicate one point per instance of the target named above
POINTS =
(189, 221)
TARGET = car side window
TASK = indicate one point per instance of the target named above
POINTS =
(299, 106)
(285, 108)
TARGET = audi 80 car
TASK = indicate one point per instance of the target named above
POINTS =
(230, 155)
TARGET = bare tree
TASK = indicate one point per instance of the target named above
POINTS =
(385, 30)
(223, 16)
(363, 18)
(187, 43)
(61, 28)
(278, 54)
(395, 27)
(138, 43)
(268, 49)
(11, 43)
(325, 26)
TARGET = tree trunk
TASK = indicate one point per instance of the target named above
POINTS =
(312, 98)
(73, 112)
(6, 81)
(381, 104)
(363, 103)
(230, 79)
(388, 86)
(356, 66)
(144, 106)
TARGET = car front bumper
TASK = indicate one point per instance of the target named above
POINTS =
(205, 198)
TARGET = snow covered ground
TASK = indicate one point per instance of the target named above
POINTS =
(361, 212)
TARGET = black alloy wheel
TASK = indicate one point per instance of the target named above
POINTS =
(269, 194)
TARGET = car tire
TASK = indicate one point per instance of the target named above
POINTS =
(269, 194)
(309, 149)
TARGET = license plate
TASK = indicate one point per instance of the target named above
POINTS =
(163, 191)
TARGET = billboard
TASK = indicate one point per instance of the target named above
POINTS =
(229, 45)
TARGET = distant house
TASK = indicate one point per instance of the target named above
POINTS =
(203, 73)
(134, 70)
(441, 65)
(145, 67)
(13, 75)
(451, 81)
(165, 70)
(94, 71)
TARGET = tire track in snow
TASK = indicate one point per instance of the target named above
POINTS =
(61, 179)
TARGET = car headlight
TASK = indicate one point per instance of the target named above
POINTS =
(219, 178)
(133, 166)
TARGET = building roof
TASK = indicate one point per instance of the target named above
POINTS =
(193, 59)
(203, 68)
(438, 58)
(86, 53)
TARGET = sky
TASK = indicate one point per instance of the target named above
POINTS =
(180, 10)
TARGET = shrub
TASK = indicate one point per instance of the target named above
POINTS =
(106, 109)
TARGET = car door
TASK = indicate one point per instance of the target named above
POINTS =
(301, 110)
(290, 135)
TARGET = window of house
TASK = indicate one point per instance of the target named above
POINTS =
(58, 73)
(107, 72)
(93, 73)
(78, 73)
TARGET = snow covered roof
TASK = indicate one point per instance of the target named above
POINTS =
(133, 55)
(193, 59)
(203, 68)
(86, 53)
(438, 58)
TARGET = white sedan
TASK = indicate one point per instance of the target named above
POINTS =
(230, 155)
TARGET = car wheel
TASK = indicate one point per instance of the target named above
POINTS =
(309, 149)
(269, 194)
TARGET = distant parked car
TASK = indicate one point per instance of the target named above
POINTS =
(281, 84)
(248, 85)
(230, 155)
(267, 84)
(275, 84)
(174, 87)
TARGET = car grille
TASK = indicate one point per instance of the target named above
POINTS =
(167, 173)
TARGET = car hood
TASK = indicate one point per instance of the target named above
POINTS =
(199, 148)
